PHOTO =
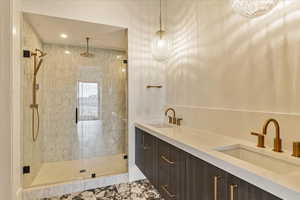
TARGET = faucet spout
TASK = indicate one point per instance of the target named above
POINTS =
(277, 140)
(170, 109)
(172, 119)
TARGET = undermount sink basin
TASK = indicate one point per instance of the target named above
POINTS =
(160, 125)
(261, 158)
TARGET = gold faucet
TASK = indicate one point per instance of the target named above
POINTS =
(173, 119)
(277, 140)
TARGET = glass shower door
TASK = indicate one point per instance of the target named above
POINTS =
(89, 125)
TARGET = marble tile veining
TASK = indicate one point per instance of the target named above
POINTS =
(139, 190)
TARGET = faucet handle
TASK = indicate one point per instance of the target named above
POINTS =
(296, 149)
(261, 139)
(178, 122)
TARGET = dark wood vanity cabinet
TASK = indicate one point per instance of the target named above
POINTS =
(195, 178)
(146, 155)
(139, 149)
(171, 171)
(204, 181)
(180, 176)
(237, 188)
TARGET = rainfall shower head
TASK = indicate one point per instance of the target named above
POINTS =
(87, 53)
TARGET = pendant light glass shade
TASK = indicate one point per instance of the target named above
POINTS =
(253, 8)
(161, 46)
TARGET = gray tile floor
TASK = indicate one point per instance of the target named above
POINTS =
(139, 190)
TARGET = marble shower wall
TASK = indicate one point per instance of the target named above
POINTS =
(32, 152)
(63, 139)
(228, 73)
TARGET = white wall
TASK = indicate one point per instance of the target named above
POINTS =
(140, 17)
(5, 101)
(229, 73)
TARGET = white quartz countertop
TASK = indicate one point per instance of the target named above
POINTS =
(203, 144)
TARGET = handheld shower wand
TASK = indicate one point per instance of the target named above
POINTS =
(34, 106)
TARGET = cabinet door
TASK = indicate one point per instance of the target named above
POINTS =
(150, 157)
(237, 189)
(195, 180)
(215, 187)
(164, 163)
(178, 173)
(257, 193)
(171, 172)
(139, 149)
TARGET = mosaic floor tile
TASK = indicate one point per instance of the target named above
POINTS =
(139, 190)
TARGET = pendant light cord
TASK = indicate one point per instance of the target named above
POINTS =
(160, 17)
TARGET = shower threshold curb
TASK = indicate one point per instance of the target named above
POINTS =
(36, 193)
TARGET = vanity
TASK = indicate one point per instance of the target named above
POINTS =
(185, 165)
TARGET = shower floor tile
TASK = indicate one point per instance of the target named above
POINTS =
(59, 172)
(139, 190)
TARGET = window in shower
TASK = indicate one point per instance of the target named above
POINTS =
(88, 101)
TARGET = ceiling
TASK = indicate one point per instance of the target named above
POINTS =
(49, 30)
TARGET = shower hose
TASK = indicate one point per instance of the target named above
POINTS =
(35, 132)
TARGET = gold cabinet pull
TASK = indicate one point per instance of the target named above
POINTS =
(164, 188)
(146, 148)
(143, 140)
(216, 180)
(166, 160)
(143, 143)
(232, 191)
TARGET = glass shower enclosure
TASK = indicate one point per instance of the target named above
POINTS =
(82, 102)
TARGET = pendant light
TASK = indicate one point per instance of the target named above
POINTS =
(253, 8)
(161, 44)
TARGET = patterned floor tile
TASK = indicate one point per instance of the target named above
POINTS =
(139, 190)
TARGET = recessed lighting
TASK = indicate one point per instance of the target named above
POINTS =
(63, 35)
(123, 70)
(119, 57)
(67, 52)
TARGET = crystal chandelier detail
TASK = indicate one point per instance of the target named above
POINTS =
(253, 8)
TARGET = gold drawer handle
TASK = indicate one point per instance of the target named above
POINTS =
(166, 160)
(164, 188)
(146, 148)
(216, 180)
(232, 191)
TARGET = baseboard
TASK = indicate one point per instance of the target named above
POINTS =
(135, 174)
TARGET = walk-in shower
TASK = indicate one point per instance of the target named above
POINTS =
(74, 101)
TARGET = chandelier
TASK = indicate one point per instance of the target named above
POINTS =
(253, 8)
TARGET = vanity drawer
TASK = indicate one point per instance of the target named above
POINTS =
(171, 173)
